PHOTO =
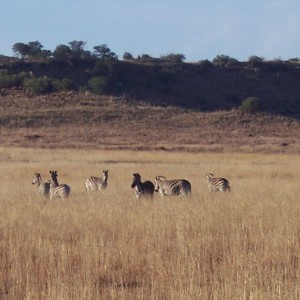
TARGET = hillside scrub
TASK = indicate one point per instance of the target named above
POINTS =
(222, 84)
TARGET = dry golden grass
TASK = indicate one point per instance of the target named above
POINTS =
(240, 245)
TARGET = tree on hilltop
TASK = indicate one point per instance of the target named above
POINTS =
(103, 52)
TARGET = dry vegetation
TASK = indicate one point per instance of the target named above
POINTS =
(73, 120)
(240, 245)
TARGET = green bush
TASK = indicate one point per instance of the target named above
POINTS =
(62, 85)
(173, 58)
(251, 104)
(7, 80)
(11, 80)
(20, 77)
(224, 61)
(255, 59)
(40, 85)
(98, 84)
(128, 56)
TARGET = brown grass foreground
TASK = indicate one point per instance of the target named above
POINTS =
(240, 245)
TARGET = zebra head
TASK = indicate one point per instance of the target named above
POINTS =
(105, 174)
(159, 180)
(37, 179)
(210, 175)
(136, 179)
(54, 177)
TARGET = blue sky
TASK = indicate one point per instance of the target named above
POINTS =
(199, 29)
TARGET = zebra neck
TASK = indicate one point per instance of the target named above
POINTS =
(53, 185)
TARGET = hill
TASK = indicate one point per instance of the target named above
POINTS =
(152, 104)
(203, 86)
(84, 120)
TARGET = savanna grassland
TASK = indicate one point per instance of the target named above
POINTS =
(239, 245)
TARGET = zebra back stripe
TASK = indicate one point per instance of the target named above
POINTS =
(217, 184)
(43, 188)
(96, 183)
(58, 190)
(173, 187)
(62, 191)
(145, 188)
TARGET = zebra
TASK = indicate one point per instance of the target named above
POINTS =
(217, 184)
(173, 187)
(58, 190)
(42, 188)
(141, 189)
(95, 183)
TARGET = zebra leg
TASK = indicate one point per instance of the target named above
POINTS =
(183, 193)
(228, 188)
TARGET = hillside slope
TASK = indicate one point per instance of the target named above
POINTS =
(83, 120)
(202, 86)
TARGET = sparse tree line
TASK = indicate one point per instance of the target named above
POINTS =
(72, 67)
(76, 50)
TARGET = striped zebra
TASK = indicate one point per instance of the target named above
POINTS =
(217, 184)
(58, 190)
(142, 189)
(95, 183)
(42, 188)
(174, 187)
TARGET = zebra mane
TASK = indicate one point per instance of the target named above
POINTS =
(163, 178)
(137, 176)
(54, 176)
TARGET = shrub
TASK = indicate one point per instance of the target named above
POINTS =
(173, 58)
(62, 85)
(205, 63)
(127, 56)
(7, 80)
(251, 104)
(255, 59)
(38, 85)
(224, 61)
(98, 84)
(294, 60)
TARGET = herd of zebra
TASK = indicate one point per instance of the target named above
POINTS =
(175, 187)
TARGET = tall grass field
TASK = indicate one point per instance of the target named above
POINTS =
(107, 245)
